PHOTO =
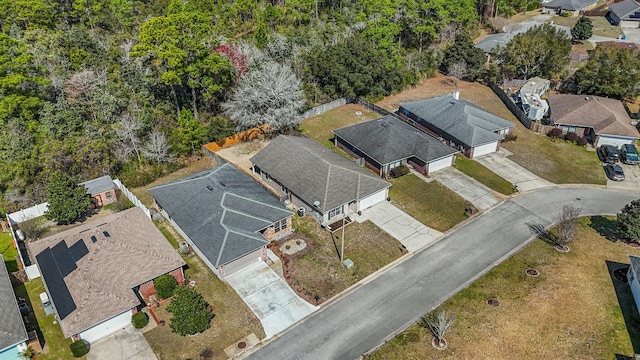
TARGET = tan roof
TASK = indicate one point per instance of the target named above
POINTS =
(102, 274)
(606, 116)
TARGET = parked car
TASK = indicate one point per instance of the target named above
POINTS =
(609, 153)
(614, 172)
(629, 154)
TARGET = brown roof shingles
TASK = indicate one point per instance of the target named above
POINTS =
(606, 116)
(102, 284)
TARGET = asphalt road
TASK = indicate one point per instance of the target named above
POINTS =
(374, 312)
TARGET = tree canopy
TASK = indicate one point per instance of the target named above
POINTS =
(463, 53)
(582, 30)
(67, 200)
(628, 221)
(191, 313)
(611, 71)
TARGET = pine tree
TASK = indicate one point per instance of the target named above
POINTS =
(582, 30)
(67, 200)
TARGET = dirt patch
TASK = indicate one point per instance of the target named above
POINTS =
(287, 256)
(240, 153)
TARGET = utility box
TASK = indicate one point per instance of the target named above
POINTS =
(348, 263)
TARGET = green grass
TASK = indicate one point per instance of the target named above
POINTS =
(601, 26)
(319, 127)
(430, 203)
(483, 175)
(8, 252)
(575, 309)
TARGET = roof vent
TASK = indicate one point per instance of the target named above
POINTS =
(223, 184)
(316, 203)
(94, 239)
(209, 188)
(586, 98)
(456, 94)
(106, 233)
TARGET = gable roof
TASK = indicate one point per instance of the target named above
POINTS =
(99, 185)
(459, 118)
(315, 173)
(222, 210)
(490, 42)
(90, 270)
(12, 330)
(628, 10)
(389, 139)
(606, 116)
(569, 5)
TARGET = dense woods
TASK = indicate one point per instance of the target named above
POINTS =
(130, 88)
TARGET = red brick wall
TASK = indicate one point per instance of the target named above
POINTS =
(147, 288)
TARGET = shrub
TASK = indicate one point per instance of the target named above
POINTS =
(555, 133)
(191, 313)
(571, 137)
(78, 348)
(510, 137)
(396, 172)
(139, 320)
(165, 285)
(582, 141)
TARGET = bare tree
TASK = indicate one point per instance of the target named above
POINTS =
(127, 132)
(270, 94)
(82, 88)
(568, 225)
(459, 71)
(157, 148)
(439, 324)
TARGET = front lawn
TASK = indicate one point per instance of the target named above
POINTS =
(483, 175)
(319, 127)
(430, 203)
(575, 308)
(319, 271)
(601, 26)
(8, 251)
(233, 319)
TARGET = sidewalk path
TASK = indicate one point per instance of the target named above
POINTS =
(522, 178)
(469, 188)
(409, 231)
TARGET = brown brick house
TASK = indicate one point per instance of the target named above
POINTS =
(103, 191)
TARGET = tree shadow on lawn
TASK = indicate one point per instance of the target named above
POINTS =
(627, 306)
(606, 227)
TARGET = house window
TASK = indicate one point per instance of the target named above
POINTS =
(571, 129)
(335, 212)
(394, 165)
(109, 196)
(280, 225)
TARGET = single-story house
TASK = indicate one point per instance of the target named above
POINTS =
(575, 7)
(490, 43)
(96, 274)
(317, 179)
(226, 216)
(632, 277)
(461, 124)
(102, 191)
(625, 13)
(13, 334)
(388, 142)
(602, 121)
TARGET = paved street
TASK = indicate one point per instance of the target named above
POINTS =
(373, 312)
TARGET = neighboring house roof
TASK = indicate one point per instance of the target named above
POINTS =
(90, 270)
(569, 5)
(222, 210)
(315, 173)
(99, 185)
(388, 139)
(628, 10)
(620, 44)
(635, 267)
(12, 330)
(606, 116)
(536, 85)
(490, 42)
(460, 119)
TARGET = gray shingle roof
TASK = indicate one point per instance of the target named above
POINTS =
(635, 266)
(460, 119)
(222, 210)
(99, 185)
(315, 173)
(388, 139)
(626, 10)
(569, 5)
(12, 330)
(490, 42)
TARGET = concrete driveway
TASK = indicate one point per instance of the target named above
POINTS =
(275, 304)
(409, 231)
(631, 181)
(470, 189)
(522, 178)
(632, 34)
(126, 344)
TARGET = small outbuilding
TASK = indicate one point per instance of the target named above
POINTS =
(103, 191)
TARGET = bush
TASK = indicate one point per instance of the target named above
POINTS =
(191, 313)
(510, 137)
(555, 133)
(139, 320)
(78, 348)
(571, 137)
(396, 172)
(534, 5)
(165, 285)
(582, 141)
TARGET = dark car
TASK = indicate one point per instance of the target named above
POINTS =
(614, 172)
(629, 154)
(609, 153)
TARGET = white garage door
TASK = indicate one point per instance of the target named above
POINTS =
(440, 164)
(107, 328)
(629, 24)
(615, 141)
(485, 149)
(373, 199)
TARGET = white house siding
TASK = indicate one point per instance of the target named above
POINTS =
(614, 140)
(239, 264)
(635, 286)
(629, 24)
(441, 164)
(373, 199)
(485, 149)
(107, 327)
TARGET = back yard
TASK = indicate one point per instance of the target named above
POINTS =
(601, 26)
(574, 309)
(8, 251)
(319, 127)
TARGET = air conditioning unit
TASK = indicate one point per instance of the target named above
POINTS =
(301, 212)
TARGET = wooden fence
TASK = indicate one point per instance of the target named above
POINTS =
(515, 110)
